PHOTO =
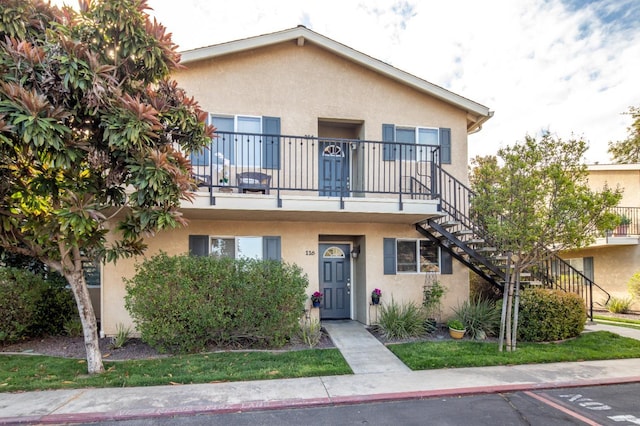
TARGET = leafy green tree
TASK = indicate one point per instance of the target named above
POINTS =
(628, 151)
(534, 200)
(93, 137)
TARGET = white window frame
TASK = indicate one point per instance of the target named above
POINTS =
(240, 157)
(418, 264)
(423, 155)
(236, 245)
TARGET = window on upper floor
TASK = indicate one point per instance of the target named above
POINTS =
(246, 146)
(424, 141)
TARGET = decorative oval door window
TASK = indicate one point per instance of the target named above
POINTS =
(333, 252)
(333, 151)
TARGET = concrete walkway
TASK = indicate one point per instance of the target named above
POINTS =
(363, 352)
(94, 405)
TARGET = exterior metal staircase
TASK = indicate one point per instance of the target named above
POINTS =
(467, 241)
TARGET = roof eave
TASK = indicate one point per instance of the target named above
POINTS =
(300, 34)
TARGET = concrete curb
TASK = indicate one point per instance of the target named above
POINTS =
(299, 403)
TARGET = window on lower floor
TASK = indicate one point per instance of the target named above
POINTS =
(584, 265)
(417, 256)
(91, 273)
(238, 247)
(267, 247)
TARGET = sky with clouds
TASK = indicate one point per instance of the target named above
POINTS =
(568, 66)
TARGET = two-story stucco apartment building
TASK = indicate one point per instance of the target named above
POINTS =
(324, 157)
(615, 256)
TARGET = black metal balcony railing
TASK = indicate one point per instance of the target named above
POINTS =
(277, 164)
(630, 222)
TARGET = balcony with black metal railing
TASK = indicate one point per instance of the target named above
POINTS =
(280, 173)
(627, 232)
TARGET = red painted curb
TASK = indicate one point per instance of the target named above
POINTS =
(299, 403)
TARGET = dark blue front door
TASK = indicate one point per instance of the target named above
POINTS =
(334, 169)
(335, 281)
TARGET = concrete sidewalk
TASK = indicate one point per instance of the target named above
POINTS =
(88, 405)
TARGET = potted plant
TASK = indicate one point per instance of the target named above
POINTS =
(431, 297)
(456, 329)
(316, 299)
(376, 294)
(623, 225)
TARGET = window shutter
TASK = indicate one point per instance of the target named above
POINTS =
(389, 149)
(445, 146)
(271, 248)
(199, 245)
(271, 144)
(587, 264)
(389, 248)
(446, 262)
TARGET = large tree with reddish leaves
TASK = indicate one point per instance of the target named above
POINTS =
(92, 133)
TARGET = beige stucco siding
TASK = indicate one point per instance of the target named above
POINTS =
(615, 259)
(311, 89)
(628, 180)
(302, 85)
(298, 239)
(613, 266)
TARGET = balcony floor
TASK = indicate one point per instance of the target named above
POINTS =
(303, 208)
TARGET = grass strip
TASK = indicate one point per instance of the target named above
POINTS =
(467, 353)
(617, 321)
(28, 373)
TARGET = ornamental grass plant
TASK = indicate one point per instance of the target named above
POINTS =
(401, 321)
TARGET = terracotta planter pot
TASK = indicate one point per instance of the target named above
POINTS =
(456, 334)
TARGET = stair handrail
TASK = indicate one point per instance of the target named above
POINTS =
(451, 208)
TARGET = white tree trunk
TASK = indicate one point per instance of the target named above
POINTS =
(509, 316)
(88, 318)
(505, 295)
(516, 310)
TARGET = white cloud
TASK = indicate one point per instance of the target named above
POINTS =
(570, 66)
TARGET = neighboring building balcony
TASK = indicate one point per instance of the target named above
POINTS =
(283, 176)
(627, 233)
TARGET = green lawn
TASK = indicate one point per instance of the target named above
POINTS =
(467, 353)
(24, 373)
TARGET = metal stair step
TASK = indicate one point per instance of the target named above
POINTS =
(475, 241)
(450, 224)
(486, 249)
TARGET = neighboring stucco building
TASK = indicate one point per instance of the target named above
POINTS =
(325, 157)
(615, 256)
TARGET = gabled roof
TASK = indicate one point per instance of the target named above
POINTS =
(477, 114)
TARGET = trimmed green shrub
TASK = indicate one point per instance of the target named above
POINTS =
(634, 285)
(619, 305)
(400, 321)
(31, 306)
(480, 317)
(186, 303)
(549, 315)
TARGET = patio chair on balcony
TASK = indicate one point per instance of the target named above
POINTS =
(202, 180)
(253, 182)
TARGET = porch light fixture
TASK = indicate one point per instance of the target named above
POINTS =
(355, 252)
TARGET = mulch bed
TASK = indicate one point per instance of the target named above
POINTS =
(73, 347)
